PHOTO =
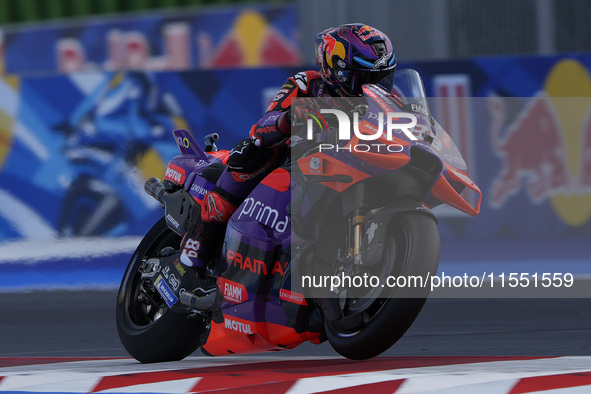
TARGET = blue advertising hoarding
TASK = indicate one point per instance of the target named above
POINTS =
(234, 37)
(75, 149)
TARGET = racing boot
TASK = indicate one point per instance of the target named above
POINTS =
(201, 247)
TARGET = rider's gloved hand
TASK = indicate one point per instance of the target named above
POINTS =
(302, 109)
(272, 135)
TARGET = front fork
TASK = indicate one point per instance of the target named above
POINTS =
(356, 223)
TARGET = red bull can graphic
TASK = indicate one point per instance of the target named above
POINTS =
(545, 149)
(532, 149)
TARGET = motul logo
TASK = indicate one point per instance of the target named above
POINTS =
(237, 326)
(175, 174)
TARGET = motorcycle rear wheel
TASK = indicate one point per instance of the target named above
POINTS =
(412, 248)
(148, 330)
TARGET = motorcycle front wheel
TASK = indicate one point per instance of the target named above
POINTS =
(148, 330)
(412, 248)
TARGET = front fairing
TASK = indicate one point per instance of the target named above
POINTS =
(409, 96)
(430, 135)
(394, 131)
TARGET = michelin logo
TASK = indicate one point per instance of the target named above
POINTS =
(165, 292)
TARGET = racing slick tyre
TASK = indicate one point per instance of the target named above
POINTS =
(412, 248)
(148, 329)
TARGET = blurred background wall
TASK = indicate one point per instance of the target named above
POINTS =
(92, 88)
(420, 29)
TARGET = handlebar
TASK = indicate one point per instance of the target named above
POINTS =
(210, 140)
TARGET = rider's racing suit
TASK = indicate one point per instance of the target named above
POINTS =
(248, 163)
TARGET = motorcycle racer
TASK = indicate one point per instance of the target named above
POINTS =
(347, 56)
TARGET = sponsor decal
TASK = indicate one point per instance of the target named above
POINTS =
(175, 174)
(292, 296)
(382, 61)
(364, 29)
(174, 282)
(366, 32)
(332, 47)
(172, 221)
(420, 109)
(238, 326)
(264, 214)
(272, 118)
(266, 129)
(255, 266)
(301, 79)
(179, 267)
(166, 272)
(199, 190)
(165, 291)
(183, 141)
(232, 292)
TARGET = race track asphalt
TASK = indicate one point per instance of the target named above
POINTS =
(82, 324)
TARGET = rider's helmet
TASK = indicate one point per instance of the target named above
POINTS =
(352, 55)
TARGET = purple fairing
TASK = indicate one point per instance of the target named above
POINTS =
(260, 230)
(263, 214)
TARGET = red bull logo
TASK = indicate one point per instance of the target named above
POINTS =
(332, 47)
(546, 148)
(365, 29)
(366, 32)
(532, 148)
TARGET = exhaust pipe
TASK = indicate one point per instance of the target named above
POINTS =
(201, 303)
(156, 189)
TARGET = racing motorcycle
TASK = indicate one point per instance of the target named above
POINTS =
(332, 215)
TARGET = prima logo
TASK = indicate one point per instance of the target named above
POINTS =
(393, 124)
(264, 214)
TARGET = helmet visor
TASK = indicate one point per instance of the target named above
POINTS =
(384, 78)
(352, 79)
